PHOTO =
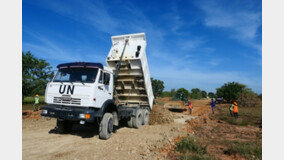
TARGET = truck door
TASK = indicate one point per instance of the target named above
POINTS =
(107, 84)
(103, 92)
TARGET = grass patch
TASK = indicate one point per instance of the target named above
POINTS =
(247, 116)
(250, 150)
(189, 144)
(30, 106)
(31, 100)
(192, 150)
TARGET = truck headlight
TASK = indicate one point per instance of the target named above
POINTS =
(44, 111)
(81, 115)
(84, 116)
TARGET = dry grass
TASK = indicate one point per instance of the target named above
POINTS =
(247, 115)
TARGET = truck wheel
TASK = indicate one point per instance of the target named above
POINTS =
(129, 122)
(137, 120)
(106, 126)
(145, 117)
(63, 126)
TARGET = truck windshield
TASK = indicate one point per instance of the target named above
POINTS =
(85, 75)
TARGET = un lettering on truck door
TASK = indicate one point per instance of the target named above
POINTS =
(70, 89)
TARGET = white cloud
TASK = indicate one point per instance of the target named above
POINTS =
(50, 50)
(190, 44)
(240, 22)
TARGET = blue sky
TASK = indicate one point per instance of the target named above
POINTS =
(191, 44)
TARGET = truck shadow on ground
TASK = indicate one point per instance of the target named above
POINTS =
(85, 131)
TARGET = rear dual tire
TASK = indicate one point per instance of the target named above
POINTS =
(145, 117)
(138, 119)
(141, 118)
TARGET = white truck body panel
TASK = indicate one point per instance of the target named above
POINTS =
(133, 77)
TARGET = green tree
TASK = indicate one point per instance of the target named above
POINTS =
(195, 93)
(211, 95)
(166, 94)
(229, 91)
(260, 96)
(203, 94)
(173, 93)
(182, 94)
(35, 74)
(158, 87)
(248, 98)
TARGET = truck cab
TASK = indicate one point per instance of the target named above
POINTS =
(80, 84)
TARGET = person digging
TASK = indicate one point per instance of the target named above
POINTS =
(36, 103)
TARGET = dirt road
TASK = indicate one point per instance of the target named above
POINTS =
(40, 141)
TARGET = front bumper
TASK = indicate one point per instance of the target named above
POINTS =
(68, 112)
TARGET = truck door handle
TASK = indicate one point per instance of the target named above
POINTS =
(99, 87)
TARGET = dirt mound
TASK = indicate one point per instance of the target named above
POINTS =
(30, 114)
(160, 115)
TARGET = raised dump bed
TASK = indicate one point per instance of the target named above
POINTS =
(133, 85)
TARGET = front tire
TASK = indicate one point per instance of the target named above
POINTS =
(106, 126)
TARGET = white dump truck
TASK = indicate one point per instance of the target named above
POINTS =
(89, 93)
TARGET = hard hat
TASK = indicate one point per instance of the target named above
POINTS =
(235, 103)
(36, 95)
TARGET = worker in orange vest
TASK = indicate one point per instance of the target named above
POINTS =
(236, 110)
(189, 106)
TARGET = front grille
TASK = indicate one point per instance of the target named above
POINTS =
(67, 100)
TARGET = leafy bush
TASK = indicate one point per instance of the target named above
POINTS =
(211, 95)
(196, 93)
(158, 87)
(182, 94)
(203, 94)
(192, 150)
(166, 94)
(229, 91)
(248, 99)
(189, 144)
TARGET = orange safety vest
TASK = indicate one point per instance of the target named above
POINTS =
(190, 106)
(235, 109)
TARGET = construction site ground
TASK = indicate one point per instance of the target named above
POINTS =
(169, 122)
